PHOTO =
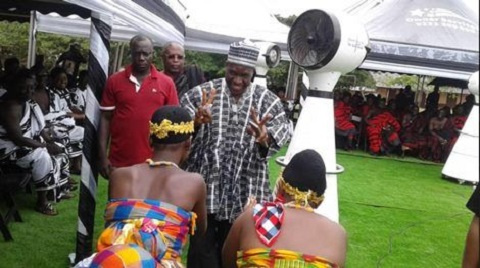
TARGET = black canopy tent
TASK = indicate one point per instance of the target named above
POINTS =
(23, 11)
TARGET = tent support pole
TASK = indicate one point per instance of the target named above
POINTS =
(100, 32)
(423, 89)
(418, 93)
(115, 60)
(291, 90)
(120, 56)
(461, 96)
(32, 41)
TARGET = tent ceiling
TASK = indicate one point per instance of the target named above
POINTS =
(411, 37)
(426, 37)
(14, 10)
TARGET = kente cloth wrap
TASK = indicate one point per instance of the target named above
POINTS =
(160, 228)
(268, 219)
(126, 256)
(279, 258)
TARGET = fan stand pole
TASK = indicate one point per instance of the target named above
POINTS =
(315, 130)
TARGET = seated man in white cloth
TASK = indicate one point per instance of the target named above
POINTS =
(60, 120)
(24, 141)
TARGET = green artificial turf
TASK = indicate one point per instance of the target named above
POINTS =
(397, 213)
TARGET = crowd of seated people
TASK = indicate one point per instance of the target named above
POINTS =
(399, 127)
(60, 114)
(40, 128)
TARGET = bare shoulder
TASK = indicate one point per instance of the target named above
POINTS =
(191, 177)
(191, 183)
(122, 173)
(331, 227)
(8, 105)
(246, 216)
(10, 108)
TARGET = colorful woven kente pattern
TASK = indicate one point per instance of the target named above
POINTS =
(127, 256)
(160, 228)
(260, 257)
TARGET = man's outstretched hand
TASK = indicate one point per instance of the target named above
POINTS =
(258, 128)
(204, 113)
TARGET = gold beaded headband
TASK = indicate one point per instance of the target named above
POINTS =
(161, 130)
(301, 197)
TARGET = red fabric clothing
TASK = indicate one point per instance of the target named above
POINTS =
(375, 127)
(459, 121)
(436, 151)
(343, 113)
(411, 134)
(365, 110)
(132, 110)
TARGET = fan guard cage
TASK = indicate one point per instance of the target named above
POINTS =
(314, 39)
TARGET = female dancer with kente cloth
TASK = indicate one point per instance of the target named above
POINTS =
(287, 232)
(155, 205)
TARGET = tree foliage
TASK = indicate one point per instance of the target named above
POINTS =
(14, 42)
(412, 80)
(279, 75)
(287, 21)
(214, 64)
(356, 78)
(403, 80)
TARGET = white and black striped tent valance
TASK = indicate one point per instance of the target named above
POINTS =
(163, 21)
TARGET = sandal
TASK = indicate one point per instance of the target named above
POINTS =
(67, 195)
(47, 209)
(72, 188)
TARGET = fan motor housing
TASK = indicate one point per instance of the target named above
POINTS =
(322, 40)
(269, 55)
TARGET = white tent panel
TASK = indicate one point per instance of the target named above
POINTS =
(414, 70)
(76, 26)
(140, 19)
(248, 19)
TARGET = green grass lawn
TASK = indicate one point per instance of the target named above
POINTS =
(396, 213)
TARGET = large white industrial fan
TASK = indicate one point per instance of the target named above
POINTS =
(462, 163)
(326, 45)
(269, 57)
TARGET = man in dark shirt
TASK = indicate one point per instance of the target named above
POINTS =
(185, 77)
(432, 99)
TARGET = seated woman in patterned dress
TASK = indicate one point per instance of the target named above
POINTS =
(269, 234)
(155, 205)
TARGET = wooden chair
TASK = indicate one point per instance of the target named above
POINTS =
(12, 179)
